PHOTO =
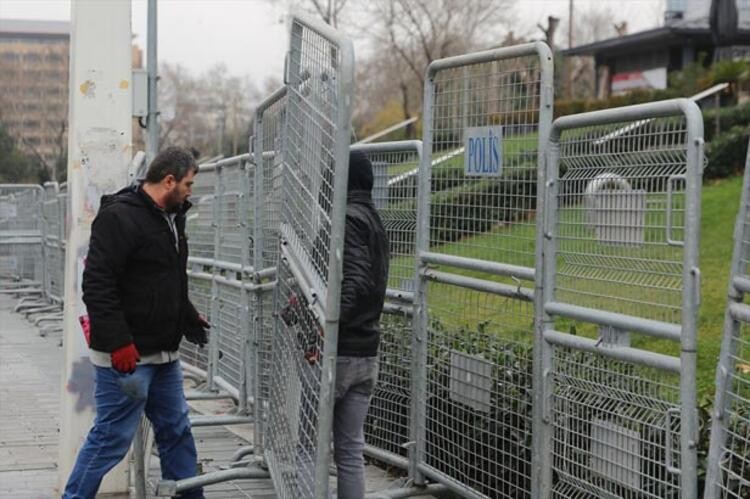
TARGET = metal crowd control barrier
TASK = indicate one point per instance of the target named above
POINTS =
(220, 277)
(728, 473)
(267, 149)
(21, 232)
(54, 242)
(32, 251)
(486, 120)
(613, 417)
(387, 429)
(256, 197)
(319, 79)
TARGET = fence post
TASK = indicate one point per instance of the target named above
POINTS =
(213, 339)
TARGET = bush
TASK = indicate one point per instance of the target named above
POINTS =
(477, 205)
(729, 117)
(727, 152)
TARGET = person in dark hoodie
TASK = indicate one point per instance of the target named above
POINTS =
(135, 291)
(365, 275)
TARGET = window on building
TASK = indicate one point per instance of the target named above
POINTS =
(32, 57)
(54, 75)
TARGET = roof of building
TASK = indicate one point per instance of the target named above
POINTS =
(32, 27)
(671, 34)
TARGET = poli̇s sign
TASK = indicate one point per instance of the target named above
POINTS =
(483, 151)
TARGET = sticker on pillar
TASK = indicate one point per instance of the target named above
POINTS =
(483, 151)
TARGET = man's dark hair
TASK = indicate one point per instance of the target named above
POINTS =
(173, 160)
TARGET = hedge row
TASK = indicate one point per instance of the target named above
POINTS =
(497, 442)
(729, 117)
(727, 152)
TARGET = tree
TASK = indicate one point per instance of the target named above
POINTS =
(15, 166)
(402, 37)
(418, 32)
(591, 26)
(210, 112)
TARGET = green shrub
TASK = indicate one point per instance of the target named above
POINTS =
(726, 153)
(729, 117)
(477, 205)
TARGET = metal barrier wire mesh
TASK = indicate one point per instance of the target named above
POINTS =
(199, 290)
(728, 475)
(54, 255)
(21, 232)
(622, 412)
(268, 155)
(200, 218)
(621, 202)
(616, 428)
(217, 243)
(231, 300)
(394, 194)
(307, 186)
(734, 460)
(478, 408)
(232, 245)
(292, 432)
(491, 216)
(479, 327)
(311, 221)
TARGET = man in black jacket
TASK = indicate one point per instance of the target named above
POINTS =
(365, 266)
(135, 291)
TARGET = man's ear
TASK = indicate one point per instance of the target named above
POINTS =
(170, 181)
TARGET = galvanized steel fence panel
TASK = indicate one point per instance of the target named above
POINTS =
(622, 211)
(54, 236)
(21, 232)
(387, 428)
(728, 473)
(220, 276)
(306, 304)
(486, 120)
(267, 150)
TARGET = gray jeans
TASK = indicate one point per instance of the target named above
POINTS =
(355, 382)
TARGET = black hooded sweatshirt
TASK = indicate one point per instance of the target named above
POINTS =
(365, 266)
(134, 281)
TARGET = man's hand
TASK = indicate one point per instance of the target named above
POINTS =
(197, 333)
(124, 359)
(203, 321)
(288, 314)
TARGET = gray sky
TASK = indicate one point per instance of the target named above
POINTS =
(249, 36)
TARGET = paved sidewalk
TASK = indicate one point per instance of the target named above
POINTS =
(30, 369)
(29, 407)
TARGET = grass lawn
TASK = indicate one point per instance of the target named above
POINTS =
(720, 205)
(515, 244)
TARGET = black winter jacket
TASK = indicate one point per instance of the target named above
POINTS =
(365, 266)
(134, 281)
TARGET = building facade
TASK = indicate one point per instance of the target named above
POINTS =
(34, 74)
(643, 60)
(34, 59)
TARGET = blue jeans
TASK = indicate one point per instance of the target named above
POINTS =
(355, 382)
(121, 399)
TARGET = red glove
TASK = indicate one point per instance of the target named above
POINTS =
(124, 358)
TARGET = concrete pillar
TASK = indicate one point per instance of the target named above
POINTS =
(99, 152)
